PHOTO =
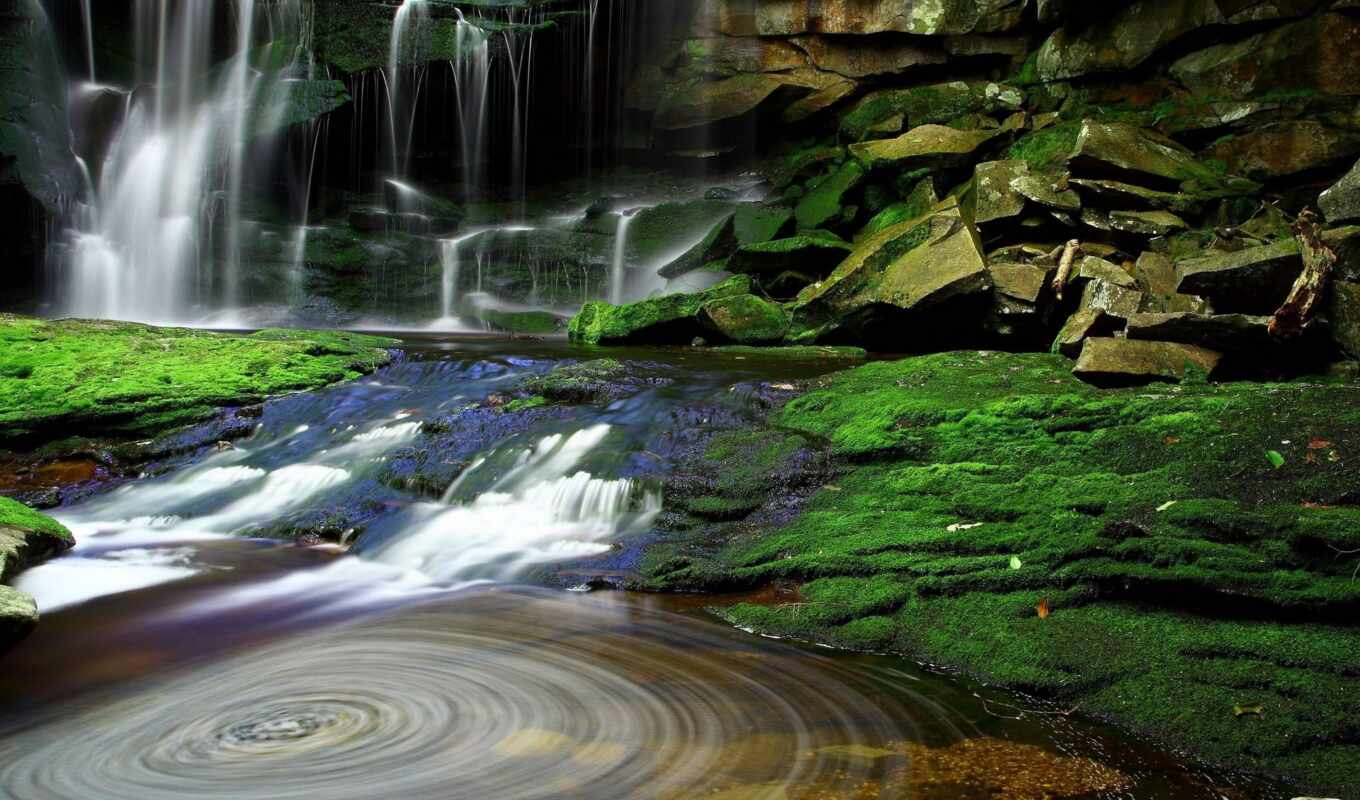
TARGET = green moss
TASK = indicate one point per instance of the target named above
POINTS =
(824, 200)
(525, 403)
(1047, 148)
(1186, 574)
(27, 537)
(667, 318)
(91, 378)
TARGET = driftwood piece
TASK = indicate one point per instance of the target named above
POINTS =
(1311, 287)
(1069, 256)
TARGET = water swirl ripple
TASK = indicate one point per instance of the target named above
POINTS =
(500, 694)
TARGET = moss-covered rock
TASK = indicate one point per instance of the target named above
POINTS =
(923, 105)
(74, 377)
(745, 319)
(811, 252)
(909, 267)
(928, 146)
(669, 319)
(1181, 543)
(26, 537)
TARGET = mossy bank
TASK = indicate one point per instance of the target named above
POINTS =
(1181, 559)
(95, 378)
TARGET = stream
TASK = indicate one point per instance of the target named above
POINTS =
(184, 653)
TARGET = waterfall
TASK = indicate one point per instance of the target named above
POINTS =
(539, 508)
(450, 267)
(409, 28)
(147, 246)
(618, 272)
(87, 19)
(471, 76)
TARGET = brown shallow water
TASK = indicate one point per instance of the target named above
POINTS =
(275, 671)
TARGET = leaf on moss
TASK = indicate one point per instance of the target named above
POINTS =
(1016, 563)
(1043, 609)
(1248, 711)
(1275, 458)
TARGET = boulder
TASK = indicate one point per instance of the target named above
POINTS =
(758, 222)
(1225, 333)
(1025, 282)
(1123, 152)
(1112, 361)
(814, 252)
(904, 269)
(1285, 148)
(1344, 311)
(819, 101)
(745, 319)
(1119, 302)
(1251, 281)
(929, 146)
(1146, 223)
(1129, 195)
(924, 105)
(1314, 55)
(823, 201)
(1123, 41)
(1084, 324)
(867, 56)
(922, 17)
(18, 615)
(996, 199)
(1130, 36)
(669, 319)
(1341, 203)
(1156, 274)
(706, 102)
(1092, 268)
(717, 244)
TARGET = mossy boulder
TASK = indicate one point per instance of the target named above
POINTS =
(668, 319)
(922, 105)
(1113, 149)
(703, 103)
(26, 538)
(745, 319)
(823, 203)
(909, 267)
(1123, 362)
(812, 252)
(927, 146)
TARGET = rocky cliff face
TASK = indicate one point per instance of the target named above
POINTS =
(954, 149)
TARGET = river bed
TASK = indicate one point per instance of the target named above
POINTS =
(183, 653)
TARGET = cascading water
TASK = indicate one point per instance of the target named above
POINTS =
(618, 274)
(147, 245)
(410, 28)
(472, 75)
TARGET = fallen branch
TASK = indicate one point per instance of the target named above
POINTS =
(1311, 286)
(1065, 267)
